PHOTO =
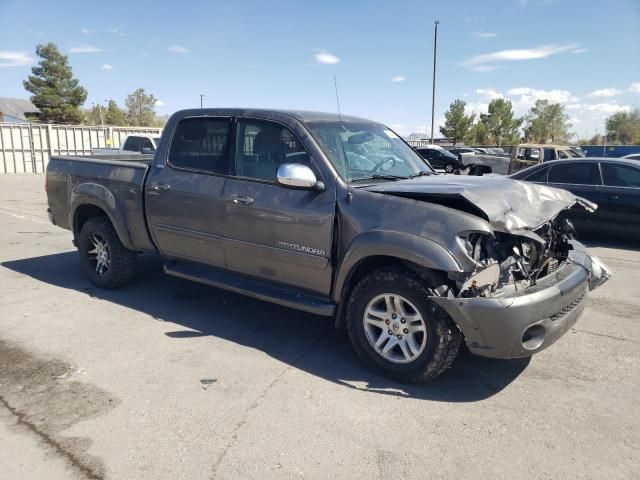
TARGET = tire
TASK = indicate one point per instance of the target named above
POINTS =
(436, 350)
(449, 167)
(121, 264)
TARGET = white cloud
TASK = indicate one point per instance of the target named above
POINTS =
(483, 68)
(579, 50)
(87, 31)
(160, 103)
(484, 34)
(635, 87)
(574, 106)
(117, 31)
(106, 66)
(575, 121)
(85, 49)
(607, 108)
(326, 58)
(489, 93)
(524, 98)
(605, 92)
(476, 107)
(14, 59)
(178, 49)
(398, 78)
(543, 51)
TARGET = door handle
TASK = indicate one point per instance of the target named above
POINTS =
(160, 187)
(241, 199)
(613, 197)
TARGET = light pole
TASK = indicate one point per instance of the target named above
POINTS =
(433, 92)
(201, 97)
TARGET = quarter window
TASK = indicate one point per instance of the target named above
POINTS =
(263, 146)
(577, 173)
(201, 144)
(616, 175)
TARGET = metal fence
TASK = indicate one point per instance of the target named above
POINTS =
(27, 147)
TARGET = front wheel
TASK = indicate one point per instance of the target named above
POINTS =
(449, 168)
(107, 262)
(396, 330)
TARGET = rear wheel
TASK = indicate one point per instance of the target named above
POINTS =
(107, 263)
(396, 330)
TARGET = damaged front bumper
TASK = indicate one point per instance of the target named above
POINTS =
(527, 321)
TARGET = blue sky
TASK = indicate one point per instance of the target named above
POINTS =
(283, 54)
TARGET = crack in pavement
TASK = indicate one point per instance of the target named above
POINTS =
(613, 337)
(256, 403)
(45, 402)
(76, 463)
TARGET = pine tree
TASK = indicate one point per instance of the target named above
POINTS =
(457, 124)
(56, 93)
(501, 125)
(141, 110)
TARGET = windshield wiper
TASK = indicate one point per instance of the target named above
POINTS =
(421, 173)
(383, 176)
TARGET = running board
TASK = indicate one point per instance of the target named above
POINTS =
(252, 288)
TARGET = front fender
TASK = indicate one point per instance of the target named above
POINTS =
(415, 249)
(99, 196)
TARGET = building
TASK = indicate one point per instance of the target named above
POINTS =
(15, 110)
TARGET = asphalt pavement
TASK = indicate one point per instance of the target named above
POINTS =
(167, 379)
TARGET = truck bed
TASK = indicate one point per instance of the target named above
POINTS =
(116, 181)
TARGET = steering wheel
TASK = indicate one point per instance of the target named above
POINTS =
(384, 161)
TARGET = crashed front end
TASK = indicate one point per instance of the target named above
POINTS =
(526, 291)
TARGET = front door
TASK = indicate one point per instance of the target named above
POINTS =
(274, 232)
(620, 199)
(184, 197)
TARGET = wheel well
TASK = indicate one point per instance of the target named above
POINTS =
(368, 265)
(84, 213)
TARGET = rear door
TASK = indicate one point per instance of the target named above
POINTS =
(620, 198)
(184, 198)
(277, 233)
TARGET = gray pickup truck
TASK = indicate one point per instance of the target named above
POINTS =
(337, 216)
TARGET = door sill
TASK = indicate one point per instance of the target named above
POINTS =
(252, 288)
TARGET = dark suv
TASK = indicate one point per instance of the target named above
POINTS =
(440, 158)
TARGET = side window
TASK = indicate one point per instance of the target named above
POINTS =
(146, 143)
(426, 153)
(562, 154)
(201, 143)
(263, 146)
(617, 175)
(578, 173)
(132, 144)
(539, 176)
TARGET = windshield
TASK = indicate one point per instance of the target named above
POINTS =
(366, 150)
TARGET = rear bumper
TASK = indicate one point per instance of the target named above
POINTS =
(527, 322)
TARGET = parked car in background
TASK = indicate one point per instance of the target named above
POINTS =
(481, 161)
(528, 154)
(633, 156)
(268, 204)
(138, 144)
(612, 183)
(440, 158)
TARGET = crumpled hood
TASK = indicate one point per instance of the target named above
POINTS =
(508, 205)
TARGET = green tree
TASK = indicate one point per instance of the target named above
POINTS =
(624, 127)
(115, 115)
(478, 134)
(56, 93)
(500, 122)
(457, 124)
(547, 122)
(95, 116)
(141, 109)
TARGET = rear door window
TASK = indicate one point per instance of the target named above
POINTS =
(539, 176)
(617, 175)
(132, 144)
(577, 173)
(201, 143)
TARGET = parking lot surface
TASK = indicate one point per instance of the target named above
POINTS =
(171, 379)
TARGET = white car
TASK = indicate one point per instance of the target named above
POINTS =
(632, 156)
(133, 145)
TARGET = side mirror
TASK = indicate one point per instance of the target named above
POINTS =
(147, 151)
(297, 175)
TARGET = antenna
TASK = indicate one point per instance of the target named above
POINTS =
(335, 84)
